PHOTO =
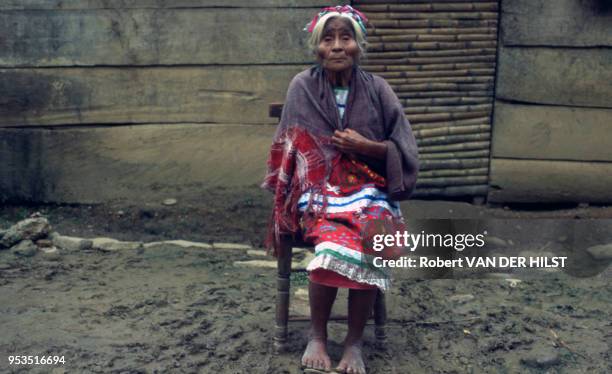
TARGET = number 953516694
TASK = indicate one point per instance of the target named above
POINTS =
(36, 360)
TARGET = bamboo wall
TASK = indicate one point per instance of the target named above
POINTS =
(439, 56)
(553, 104)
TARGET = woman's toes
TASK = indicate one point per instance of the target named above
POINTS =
(327, 364)
(309, 363)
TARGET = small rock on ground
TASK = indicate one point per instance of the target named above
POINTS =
(231, 246)
(110, 244)
(30, 229)
(256, 264)
(51, 253)
(44, 243)
(257, 253)
(178, 243)
(70, 243)
(601, 252)
(541, 359)
(170, 201)
(25, 248)
(513, 282)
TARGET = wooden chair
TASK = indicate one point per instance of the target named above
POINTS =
(283, 284)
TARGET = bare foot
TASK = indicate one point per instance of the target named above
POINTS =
(315, 356)
(352, 362)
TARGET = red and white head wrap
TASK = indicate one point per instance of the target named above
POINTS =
(342, 11)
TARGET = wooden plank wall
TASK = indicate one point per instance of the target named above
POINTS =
(439, 56)
(104, 100)
(553, 109)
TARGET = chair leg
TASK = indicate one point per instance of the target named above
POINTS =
(282, 299)
(380, 319)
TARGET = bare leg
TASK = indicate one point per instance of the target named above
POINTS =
(360, 307)
(321, 301)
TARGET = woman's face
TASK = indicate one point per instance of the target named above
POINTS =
(338, 49)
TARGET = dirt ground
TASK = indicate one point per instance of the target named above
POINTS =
(171, 309)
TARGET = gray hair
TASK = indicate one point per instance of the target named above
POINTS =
(317, 33)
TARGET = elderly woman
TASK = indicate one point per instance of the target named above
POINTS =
(342, 156)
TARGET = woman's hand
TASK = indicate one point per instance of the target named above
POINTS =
(351, 142)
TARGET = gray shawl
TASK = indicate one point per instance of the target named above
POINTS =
(372, 109)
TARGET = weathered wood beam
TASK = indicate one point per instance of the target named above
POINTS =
(539, 181)
(552, 132)
(64, 96)
(133, 163)
(558, 76)
(559, 23)
(144, 37)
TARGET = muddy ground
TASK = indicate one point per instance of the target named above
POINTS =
(163, 310)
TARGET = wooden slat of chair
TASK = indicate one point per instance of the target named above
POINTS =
(283, 287)
(275, 110)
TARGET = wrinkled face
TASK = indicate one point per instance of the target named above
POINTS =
(338, 49)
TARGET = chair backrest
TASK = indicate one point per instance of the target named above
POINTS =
(275, 110)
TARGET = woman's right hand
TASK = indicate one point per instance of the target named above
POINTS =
(351, 142)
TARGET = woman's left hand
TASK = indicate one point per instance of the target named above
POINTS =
(351, 142)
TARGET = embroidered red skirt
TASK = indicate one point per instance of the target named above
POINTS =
(337, 221)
